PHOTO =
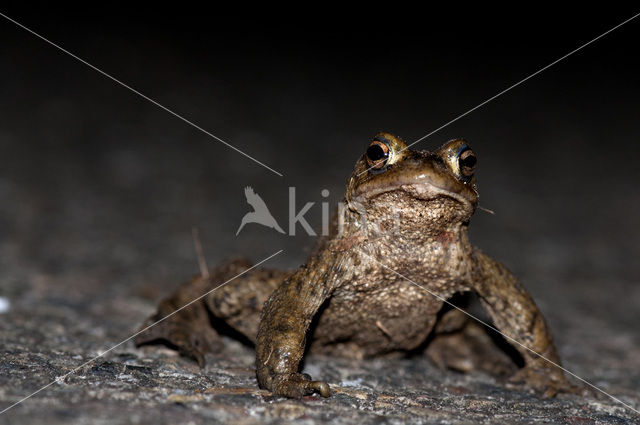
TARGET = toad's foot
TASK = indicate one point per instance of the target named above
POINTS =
(464, 345)
(546, 382)
(177, 334)
(296, 385)
(183, 324)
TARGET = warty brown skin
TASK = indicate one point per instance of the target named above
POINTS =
(375, 287)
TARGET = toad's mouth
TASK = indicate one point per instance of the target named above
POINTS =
(427, 192)
(422, 190)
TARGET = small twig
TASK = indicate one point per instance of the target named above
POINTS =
(268, 357)
(487, 210)
(204, 270)
(384, 329)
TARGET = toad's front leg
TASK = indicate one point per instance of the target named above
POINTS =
(286, 317)
(514, 313)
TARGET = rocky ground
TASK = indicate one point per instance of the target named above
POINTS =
(99, 191)
(47, 335)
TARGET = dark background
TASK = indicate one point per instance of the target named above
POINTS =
(82, 154)
(99, 188)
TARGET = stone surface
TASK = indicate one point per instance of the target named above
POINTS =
(47, 337)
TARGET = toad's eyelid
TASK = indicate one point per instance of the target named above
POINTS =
(461, 149)
(383, 140)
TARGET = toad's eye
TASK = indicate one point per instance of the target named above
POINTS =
(467, 163)
(460, 159)
(377, 155)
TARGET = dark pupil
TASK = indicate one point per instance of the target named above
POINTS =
(375, 153)
(469, 161)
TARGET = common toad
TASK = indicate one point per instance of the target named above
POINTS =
(376, 285)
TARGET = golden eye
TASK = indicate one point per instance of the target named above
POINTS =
(460, 159)
(467, 162)
(377, 155)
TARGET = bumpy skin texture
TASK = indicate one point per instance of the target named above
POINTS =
(398, 248)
